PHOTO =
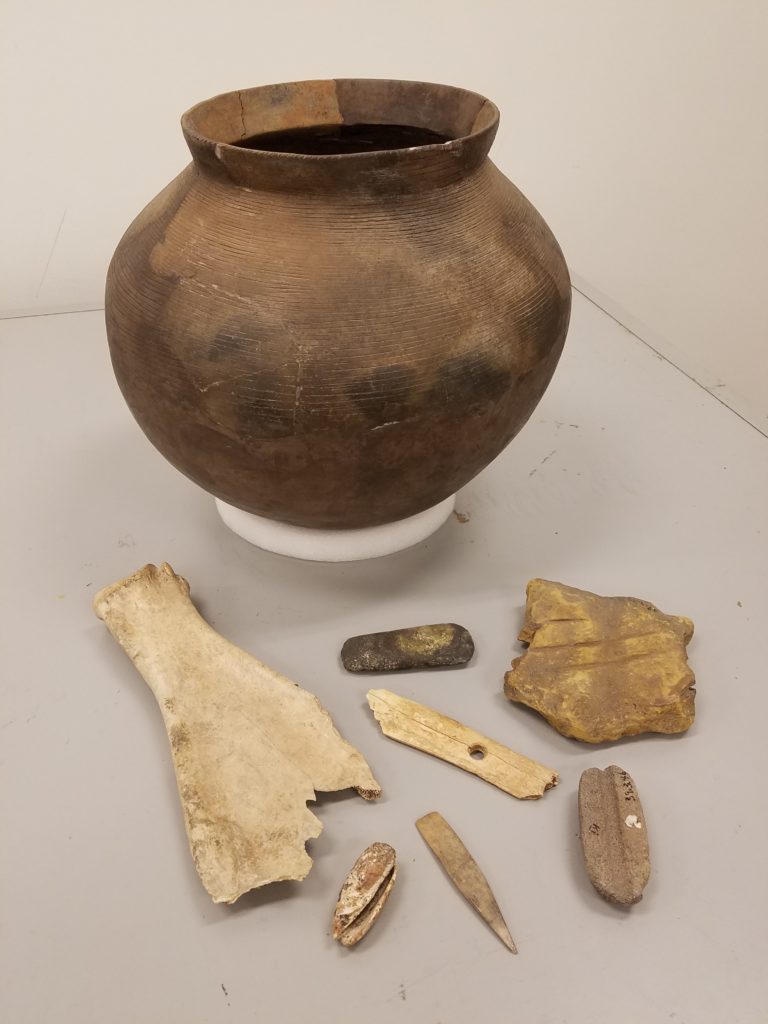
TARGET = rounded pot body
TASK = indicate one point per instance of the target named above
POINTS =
(336, 340)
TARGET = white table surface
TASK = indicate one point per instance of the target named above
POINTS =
(629, 479)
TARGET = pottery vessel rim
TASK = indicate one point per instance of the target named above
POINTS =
(215, 128)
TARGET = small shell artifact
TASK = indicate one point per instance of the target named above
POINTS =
(364, 893)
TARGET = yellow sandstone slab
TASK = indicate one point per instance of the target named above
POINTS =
(599, 668)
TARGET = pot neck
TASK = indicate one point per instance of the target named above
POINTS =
(216, 129)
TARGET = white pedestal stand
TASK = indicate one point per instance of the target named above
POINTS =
(335, 545)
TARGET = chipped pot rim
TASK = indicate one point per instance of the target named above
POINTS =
(215, 128)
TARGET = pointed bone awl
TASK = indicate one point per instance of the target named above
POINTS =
(463, 871)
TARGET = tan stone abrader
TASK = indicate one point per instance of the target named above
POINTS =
(614, 836)
(249, 746)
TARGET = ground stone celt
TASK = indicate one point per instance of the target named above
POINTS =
(433, 646)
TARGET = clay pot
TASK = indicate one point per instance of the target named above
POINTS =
(342, 335)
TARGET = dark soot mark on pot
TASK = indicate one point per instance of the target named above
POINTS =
(227, 344)
(266, 411)
(384, 394)
(466, 380)
(333, 139)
